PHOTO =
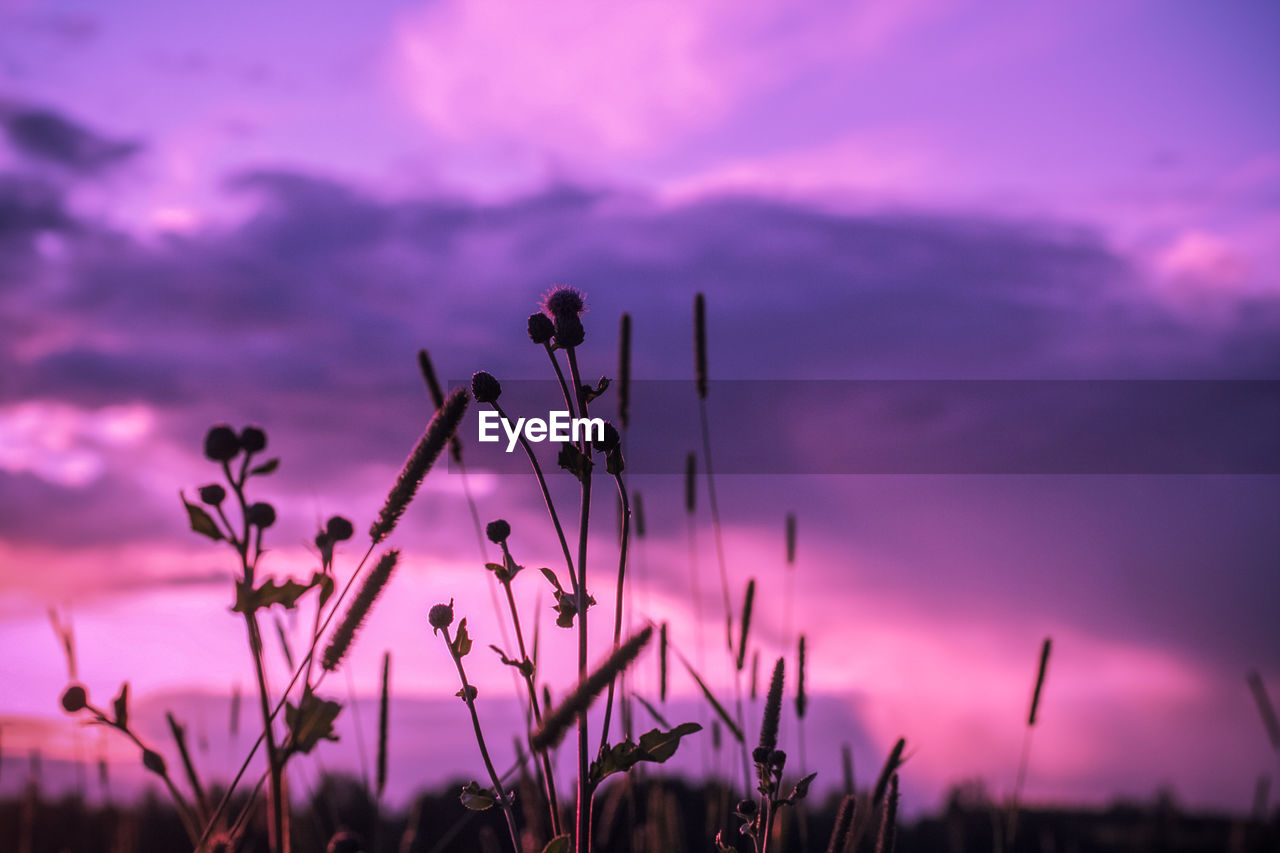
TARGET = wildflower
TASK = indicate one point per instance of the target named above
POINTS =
(221, 444)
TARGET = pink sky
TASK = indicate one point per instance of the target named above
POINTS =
(225, 215)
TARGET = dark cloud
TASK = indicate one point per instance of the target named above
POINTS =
(45, 136)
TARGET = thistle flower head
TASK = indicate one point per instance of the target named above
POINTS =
(569, 331)
(213, 494)
(75, 698)
(261, 515)
(497, 531)
(441, 616)
(563, 301)
(484, 387)
(540, 328)
(339, 529)
(253, 439)
(221, 444)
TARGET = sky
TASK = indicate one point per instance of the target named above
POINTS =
(258, 214)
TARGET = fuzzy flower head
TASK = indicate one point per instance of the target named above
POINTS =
(563, 301)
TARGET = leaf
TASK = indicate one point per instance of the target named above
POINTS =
(326, 584)
(592, 393)
(567, 608)
(559, 844)
(120, 706)
(613, 461)
(525, 666)
(248, 599)
(655, 746)
(715, 705)
(801, 790)
(477, 798)
(470, 695)
(574, 461)
(201, 521)
(461, 645)
(265, 468)
(312, 722)
(551, 576)
(662, 721)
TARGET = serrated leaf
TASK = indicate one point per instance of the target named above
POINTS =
(574, 461)
(477, 798)
(655, 746)
(120, 706)
(559, 844)
(312, 722)
(266, 467)
(470, 694)
(461, 645)
(287, 594)
(201, 521)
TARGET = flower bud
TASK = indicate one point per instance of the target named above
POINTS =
(760, 755)
(569, 331)
(540, 328)
(253, 439)
(485, 388)
(75, 698)
(339, 529)
(213, 494)
(261, 515)
(441, 616)
(497, 531)
(221, 444)
(747, 808)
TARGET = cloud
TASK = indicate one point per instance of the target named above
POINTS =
(45, 136)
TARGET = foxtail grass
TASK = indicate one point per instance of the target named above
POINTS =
(1012, 833)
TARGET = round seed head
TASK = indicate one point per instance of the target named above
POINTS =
(221, 443)
(485, 388)
(339, 529)
(569, 331)
(75, 698)
(261, 515)
(213, 494)
(497, 531)
(540, 328)
(253, 439)
(441, 616)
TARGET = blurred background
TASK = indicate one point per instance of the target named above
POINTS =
(258, 213)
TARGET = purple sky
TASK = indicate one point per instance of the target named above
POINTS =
(254, 213)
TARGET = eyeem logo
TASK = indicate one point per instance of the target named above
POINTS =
(558, 426)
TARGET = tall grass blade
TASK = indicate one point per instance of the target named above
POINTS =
(747, 604)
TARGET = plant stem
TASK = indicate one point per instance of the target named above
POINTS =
(484, 751)
(583, 838)
(617, 616)
(546, 497)
(553, 802)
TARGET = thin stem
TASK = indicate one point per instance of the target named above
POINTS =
(584, 756)
(553, 802)
(617, 616)
(303, 666)
(546, 497)
(484, 751)
(564, 386)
